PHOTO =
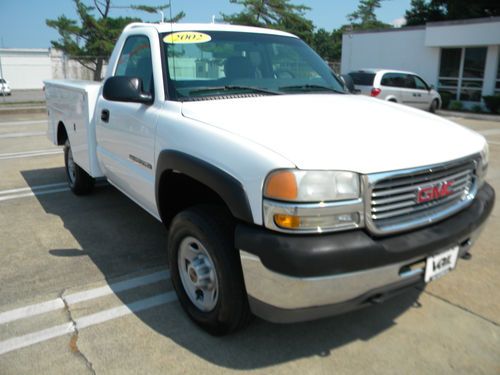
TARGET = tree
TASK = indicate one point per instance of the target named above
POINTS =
(423, 11)
(91, 40)
(364, 17)
(275, 14)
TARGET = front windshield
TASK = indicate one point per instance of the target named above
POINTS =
(218, 63)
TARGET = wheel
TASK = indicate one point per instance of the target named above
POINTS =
(79, 181)
(206, 270)
(434, 106)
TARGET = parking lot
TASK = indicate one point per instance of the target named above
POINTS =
(84, 288)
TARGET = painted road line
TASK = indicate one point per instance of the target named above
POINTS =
(24, 341)
(116, 287)
(33, 194)
(36, 191)
(58, 303)
(13, 123)
(21, 135)
(29, 154)
(33, 188)
(20, 342)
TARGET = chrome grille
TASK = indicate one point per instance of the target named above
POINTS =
(404, 200)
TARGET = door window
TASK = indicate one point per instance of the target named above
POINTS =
(394, 80)
(420, 84)
(135, 61)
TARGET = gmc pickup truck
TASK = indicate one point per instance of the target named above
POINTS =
(284, 197)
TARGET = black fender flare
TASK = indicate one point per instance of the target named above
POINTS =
(226, 186)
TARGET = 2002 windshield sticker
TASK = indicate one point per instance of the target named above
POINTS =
(187, 37)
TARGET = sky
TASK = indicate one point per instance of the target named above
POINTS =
(22, 22)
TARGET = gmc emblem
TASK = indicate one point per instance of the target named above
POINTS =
(434, 192)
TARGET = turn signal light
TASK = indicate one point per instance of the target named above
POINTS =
(281, 185)
(287, 221)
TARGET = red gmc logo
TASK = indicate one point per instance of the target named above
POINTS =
(431, 193)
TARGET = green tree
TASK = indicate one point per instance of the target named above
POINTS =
(275, 14)
(364, 17)
(423, 11)
(91, 39)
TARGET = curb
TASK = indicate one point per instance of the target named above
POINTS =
(28, 109)
(468, 115)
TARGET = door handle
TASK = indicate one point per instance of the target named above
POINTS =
(105, 115)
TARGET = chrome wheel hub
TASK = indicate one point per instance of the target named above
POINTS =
(197, 273)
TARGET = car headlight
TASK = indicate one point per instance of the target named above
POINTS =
(483, 166)
(311, 186)
(312, 201)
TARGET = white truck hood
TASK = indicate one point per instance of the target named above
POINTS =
(340, 132)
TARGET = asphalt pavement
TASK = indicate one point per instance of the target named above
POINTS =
(85, 288)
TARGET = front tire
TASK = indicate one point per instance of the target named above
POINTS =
(79, 181)
(206, 270)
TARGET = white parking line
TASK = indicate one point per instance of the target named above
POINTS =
(71, 299)
(20, 342)
(29, 154)
(12, 123)
(33, 188)
(20, 135)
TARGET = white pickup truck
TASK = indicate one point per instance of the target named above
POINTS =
(284, 196)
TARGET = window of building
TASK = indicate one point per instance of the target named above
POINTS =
(461, 72)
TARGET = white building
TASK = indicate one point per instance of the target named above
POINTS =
(28, 68)
(460, 57)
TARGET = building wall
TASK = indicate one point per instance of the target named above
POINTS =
(26, 69)
(401, 49)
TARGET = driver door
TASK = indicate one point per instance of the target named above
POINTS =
(126, 130)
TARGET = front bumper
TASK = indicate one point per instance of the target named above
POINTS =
(302, 277)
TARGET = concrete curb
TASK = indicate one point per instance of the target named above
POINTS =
(469, 115)
(9, 110)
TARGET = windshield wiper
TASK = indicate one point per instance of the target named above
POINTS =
(234, 87)
(311, 88)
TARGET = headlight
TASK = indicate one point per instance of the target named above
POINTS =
(312, 186)
(312, 201)
(483, 167)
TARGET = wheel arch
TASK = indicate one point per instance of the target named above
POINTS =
(62, 133)
(183, 180)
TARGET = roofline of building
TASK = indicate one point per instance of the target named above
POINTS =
(469, 21)
(39, 50)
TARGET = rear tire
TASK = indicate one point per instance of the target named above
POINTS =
(434, 106)
(79, 181)
(206, 271)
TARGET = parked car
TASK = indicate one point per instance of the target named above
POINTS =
(397, 86)
(4, 87)
(283, 195)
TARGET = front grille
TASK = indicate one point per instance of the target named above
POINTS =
(405, 200)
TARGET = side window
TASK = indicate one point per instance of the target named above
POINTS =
(409, 82)
(393, 80)
(135, 61)
(420, 84)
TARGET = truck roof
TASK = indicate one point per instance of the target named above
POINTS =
(172, 27)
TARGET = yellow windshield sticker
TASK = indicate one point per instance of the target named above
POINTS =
(187, 37)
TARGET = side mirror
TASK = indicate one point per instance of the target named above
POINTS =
(349, 83)
(431, 87)
(125, 89)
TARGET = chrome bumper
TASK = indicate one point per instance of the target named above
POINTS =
(317, 297)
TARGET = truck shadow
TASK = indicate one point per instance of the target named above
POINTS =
(120, 238)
